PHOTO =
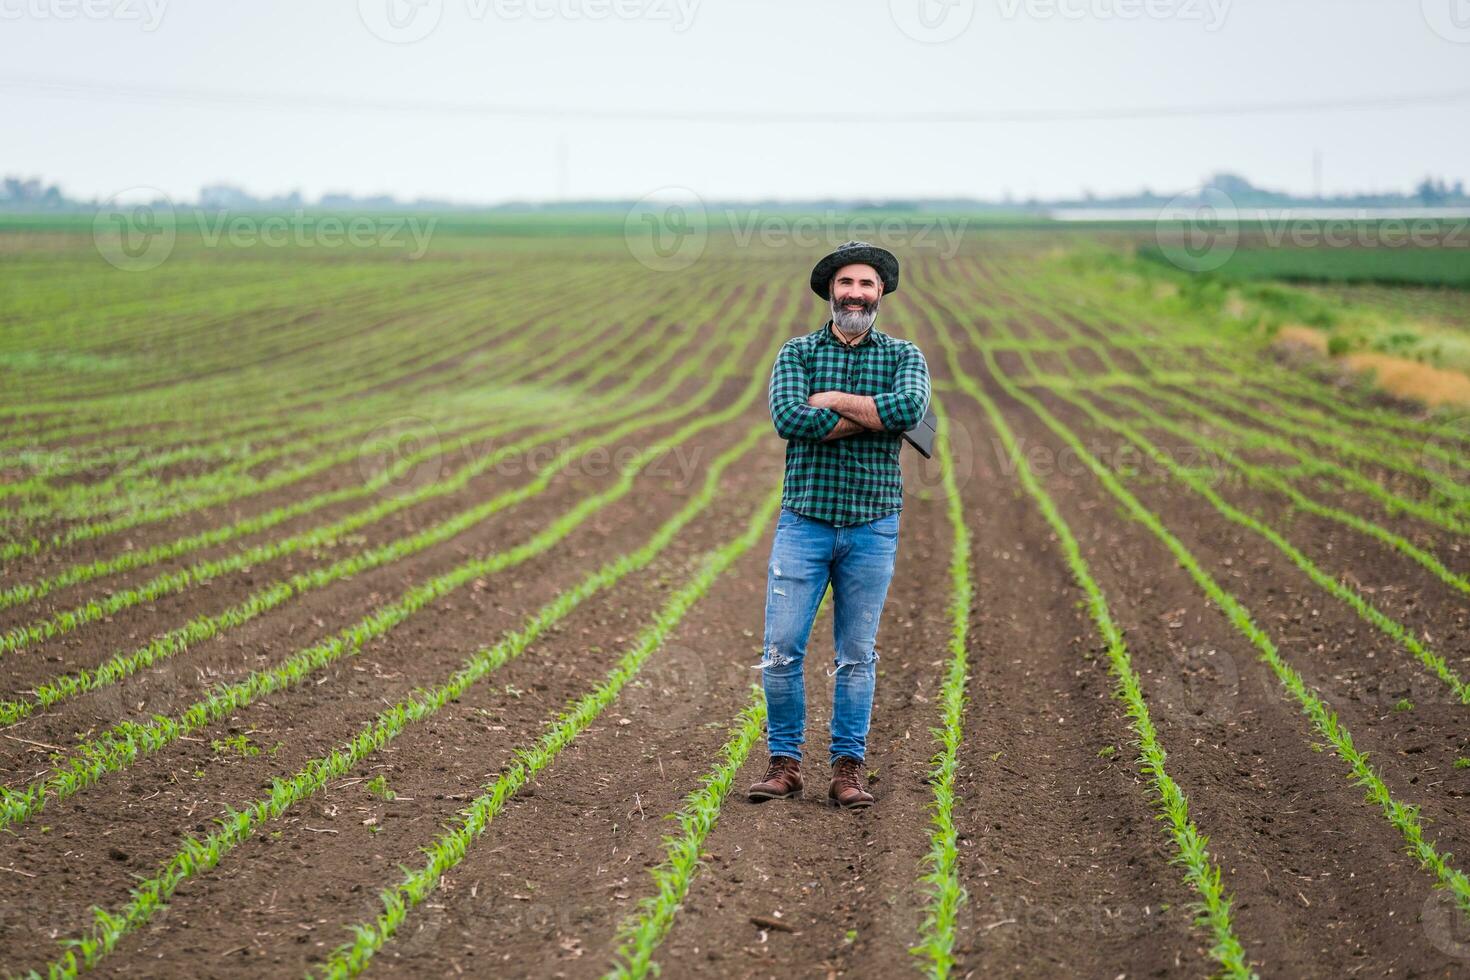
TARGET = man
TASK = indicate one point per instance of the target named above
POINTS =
(841, 397)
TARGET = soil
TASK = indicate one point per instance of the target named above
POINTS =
(1067, 868)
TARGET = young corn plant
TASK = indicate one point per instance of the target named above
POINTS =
(1212, 911)
(127, 741)
(200, 855)
(448, 850)
(946, 894)
(642, 932)
(1403, 817)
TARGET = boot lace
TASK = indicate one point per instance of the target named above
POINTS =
(847, 774)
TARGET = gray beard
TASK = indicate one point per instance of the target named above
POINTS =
(853, 324)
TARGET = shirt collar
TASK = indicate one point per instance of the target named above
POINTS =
(873, 336)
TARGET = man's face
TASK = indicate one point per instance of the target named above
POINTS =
(856, 289)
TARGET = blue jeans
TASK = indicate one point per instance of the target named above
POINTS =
(806, 555)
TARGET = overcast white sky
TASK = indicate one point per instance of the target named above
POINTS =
(751, 59)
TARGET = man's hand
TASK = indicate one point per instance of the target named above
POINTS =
(842, 428)
(856, 408)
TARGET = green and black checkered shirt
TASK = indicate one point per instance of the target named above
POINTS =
(854, 479)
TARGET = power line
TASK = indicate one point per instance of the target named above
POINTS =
(113, 92)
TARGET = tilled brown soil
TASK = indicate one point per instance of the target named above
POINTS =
(1068, 870)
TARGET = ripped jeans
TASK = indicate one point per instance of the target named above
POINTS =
(858, 561)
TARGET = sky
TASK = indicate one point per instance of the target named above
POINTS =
(494, 100)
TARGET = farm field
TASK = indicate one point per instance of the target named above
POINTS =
(362, 613)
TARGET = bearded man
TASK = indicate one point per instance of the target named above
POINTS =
(841, 397)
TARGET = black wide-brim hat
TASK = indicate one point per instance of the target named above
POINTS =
(846, 254)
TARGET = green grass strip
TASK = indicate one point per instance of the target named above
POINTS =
(1279, 384)
(450, 848)
(1247, 437)
(1212, 911)
(1403, 817)
(202, 854)
(946, 894)
(642, 932)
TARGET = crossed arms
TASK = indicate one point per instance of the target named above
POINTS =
(800, 413)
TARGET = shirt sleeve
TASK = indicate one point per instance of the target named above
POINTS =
(790, 388)
(904, 406)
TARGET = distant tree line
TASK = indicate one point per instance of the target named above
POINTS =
(31, 194)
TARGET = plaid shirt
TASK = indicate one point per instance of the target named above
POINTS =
(854, 479)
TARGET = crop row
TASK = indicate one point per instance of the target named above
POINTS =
(200, 854)
(1403, 817)
(1213, 913)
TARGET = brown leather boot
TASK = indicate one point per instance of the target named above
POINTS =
(847, 785)
(783, 781)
